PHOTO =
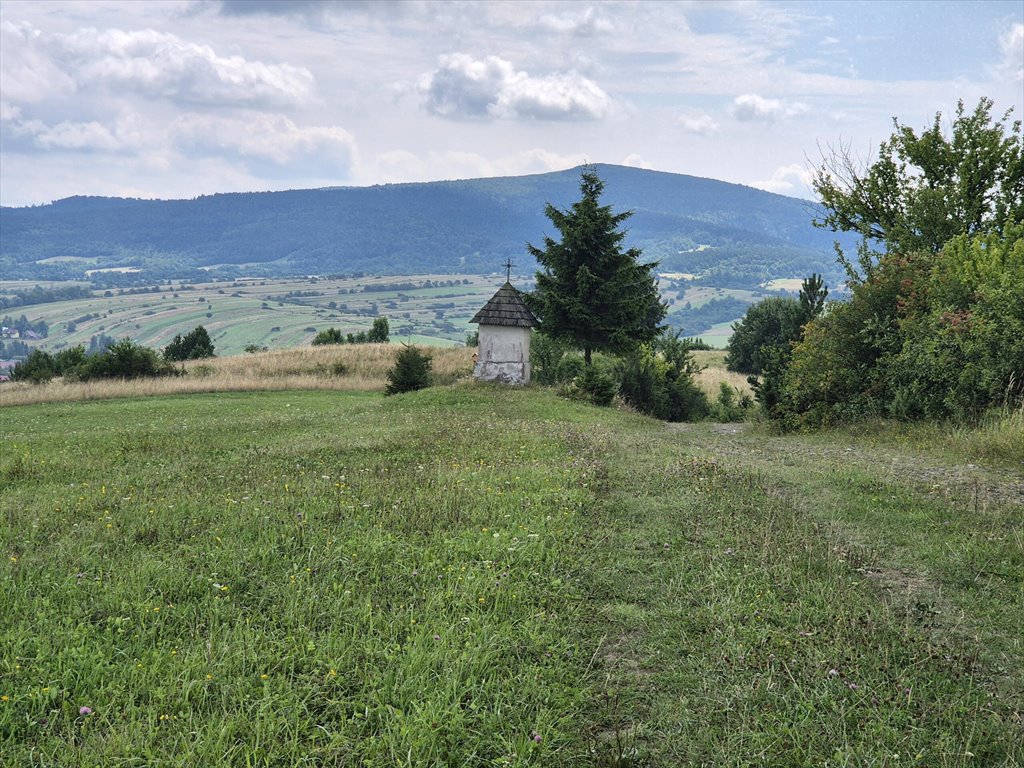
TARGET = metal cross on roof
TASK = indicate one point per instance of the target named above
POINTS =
(508, 270)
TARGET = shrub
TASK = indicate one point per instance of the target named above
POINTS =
(545, 355)
(730, 405)
(195, 345)
(328, 336)
(124, 360)
(410, 372)
(659, 381)
(595, 386)
(37, 368)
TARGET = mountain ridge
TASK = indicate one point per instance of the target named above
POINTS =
(467, 225)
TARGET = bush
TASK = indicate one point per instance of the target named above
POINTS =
(328, 336)
(37, 368)
(545, 355)
(730, 404)
(410, 372)
(659, 382)
(124, 360)
(193, 346)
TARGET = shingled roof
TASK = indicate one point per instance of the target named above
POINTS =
(506, 307)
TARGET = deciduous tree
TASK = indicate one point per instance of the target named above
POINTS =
(925, 189)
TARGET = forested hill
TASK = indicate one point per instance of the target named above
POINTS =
(730, 234)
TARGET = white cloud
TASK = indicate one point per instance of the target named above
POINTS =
(266, 137)
(584, 25)
(466, 88)
(793, 179)
(90, 137)
(635, 161)
(753, 108)
(1011, 43)
(702, 125)
(27, 68)
(9, 111)
(401, 165)
(150, 63)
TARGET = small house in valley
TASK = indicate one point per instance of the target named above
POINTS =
(503, 351)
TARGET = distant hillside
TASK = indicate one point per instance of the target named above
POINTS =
(727, 234)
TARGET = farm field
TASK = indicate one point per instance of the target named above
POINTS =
(279, 314)
(270, 313)
(478, 576)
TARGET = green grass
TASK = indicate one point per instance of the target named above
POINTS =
(441, 578)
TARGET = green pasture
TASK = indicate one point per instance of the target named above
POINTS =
(477, 576)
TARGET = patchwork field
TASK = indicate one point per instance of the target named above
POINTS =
(476, 576)
(277, 314)
(271, 313)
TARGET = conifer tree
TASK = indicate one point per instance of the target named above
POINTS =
(590, 292)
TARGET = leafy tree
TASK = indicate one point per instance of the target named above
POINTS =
(410, 372)
(329, 336)
(771, 324)
(195, 345)
(591, 293)
(924, 189)
(37, 368)
(380, 332)
(124, 360)
(99, 343)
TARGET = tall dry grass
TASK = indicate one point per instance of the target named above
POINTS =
(362, 367)
(714, 373)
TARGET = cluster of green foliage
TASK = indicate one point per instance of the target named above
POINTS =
(123, 359)
(22, 324)
(592, 295)
(590, 292)
(935, 325)
(923, 336)
(769, 328)
(379, 333)
(194, 345)
(658, 380)
(410, 372)
(13, 348)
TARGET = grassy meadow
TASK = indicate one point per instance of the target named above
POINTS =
(477, 576)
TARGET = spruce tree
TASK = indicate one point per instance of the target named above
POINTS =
(410, 372)
(591, 293)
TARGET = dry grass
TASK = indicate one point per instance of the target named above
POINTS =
(364, 366)
(714, 373)
(361, 367)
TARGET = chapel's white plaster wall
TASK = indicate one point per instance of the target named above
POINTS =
(503, 354)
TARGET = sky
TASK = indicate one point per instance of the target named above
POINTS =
(181, 98)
